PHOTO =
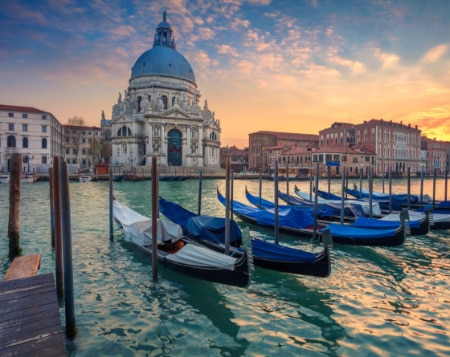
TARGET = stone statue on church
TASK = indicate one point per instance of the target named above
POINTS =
(184, 104)
(144, 105)
(160, 104)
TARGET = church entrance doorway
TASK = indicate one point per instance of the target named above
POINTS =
(174, 149)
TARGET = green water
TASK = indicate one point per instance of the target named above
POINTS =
(377, 302)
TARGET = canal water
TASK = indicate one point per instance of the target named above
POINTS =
(378, 301)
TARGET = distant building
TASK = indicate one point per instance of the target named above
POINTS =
(396, 146)
(34, 133)
(159, 114)
(356, 160)
(265, 145)
(238, 158)
(293, 161)
(436, 155)
(78, 142)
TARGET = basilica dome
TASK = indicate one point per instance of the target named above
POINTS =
(163, 59)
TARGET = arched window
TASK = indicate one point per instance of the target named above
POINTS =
(25, 142)
(44, 143)
(11, 141)
(138, 102)
(124, 131)
(164, 99)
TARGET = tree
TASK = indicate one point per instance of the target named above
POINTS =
(99, 150)
(76, 121)
(75, 135)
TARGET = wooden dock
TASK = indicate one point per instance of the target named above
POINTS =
(30, 323)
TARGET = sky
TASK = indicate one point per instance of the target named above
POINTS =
(273, 65)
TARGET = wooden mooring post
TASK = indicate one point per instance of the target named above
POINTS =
(69, 308)
(14, 206)
(155, 213)
(111, 213)
(55, 188)
(200, 181)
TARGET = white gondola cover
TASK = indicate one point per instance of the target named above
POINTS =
(138, 230)
(194, 255)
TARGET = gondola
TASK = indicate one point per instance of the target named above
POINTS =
(417, 223)
(326, 210)
(394, 201)
(211, 231)
(300, 223)
(179, 253)
(352, 208)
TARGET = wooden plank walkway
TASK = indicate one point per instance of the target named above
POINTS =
(23, 267)
(30, 323)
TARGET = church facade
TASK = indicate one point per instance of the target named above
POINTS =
(159, 113)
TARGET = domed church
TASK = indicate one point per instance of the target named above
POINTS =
(159, 113)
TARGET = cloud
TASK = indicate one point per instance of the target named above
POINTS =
(388, 60)
(204, 34)
(226, 49)
(435, 53)
(124, 31)
(355, 67)
(259, 2)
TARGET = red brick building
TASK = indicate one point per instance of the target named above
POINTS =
(264, 146)
(238, 158)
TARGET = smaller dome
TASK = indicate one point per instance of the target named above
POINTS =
(164, 25)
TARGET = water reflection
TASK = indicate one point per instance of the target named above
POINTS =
(177, 294)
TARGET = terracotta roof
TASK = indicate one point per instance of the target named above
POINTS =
(290, 136)
(355, 150)
(388, 123)
(16, 108)
(296, 150)
(80, 127)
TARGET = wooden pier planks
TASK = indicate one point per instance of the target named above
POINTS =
(30, 323)
(23, 267)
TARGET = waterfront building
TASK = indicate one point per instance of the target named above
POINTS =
(436, 157)
(264, 146)
(159, 114)
(238, 158)
(80, 143)
(356, 160)
(397, 146)
(295, 161)
(34, 133)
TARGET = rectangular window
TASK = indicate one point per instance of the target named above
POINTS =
(44, 117)
(24, 127)
(44, 159)
(11, 127)
(67, 151)
(24, 115)
(44, 128)
(11, 115)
